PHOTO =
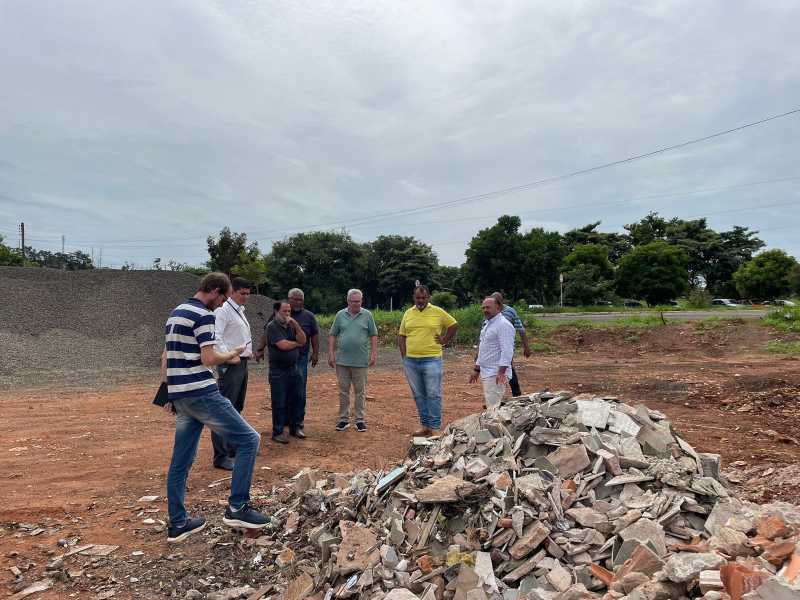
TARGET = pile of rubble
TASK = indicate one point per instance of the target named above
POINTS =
(547, 497)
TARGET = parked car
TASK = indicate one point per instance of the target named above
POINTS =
(727, 302)
(603, 303)
(673, 303)
(535, 306)
(632, 304)
(784, 303)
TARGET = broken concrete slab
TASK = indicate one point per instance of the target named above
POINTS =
(686, 566)
(569, 460)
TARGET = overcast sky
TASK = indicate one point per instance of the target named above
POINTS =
(140, 127)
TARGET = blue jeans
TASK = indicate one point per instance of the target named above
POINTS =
(215, 411)
(302, 366)
(425, 379)
(284, 388)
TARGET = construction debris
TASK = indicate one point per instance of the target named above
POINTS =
(547, 497)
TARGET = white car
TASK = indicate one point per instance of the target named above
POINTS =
(535, 306)
(726, 302)
(784, 303)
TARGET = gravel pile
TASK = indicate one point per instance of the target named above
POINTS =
(63, 326)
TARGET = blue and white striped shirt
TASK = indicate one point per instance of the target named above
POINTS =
(189, 327)
(511, 315)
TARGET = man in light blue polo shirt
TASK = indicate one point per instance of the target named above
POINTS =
(352, 348)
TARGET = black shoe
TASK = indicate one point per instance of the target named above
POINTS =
(342, 425)
(178, 534)
(225, 465)
(361, 426)
(299, 433)
(281, 438)
(246, 517)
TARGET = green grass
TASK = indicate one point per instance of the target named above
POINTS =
(784, 319)
(787, 348)
(470, 320)
(601, 308)
(714, 323)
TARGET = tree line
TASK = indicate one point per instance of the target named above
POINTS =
(655, 260)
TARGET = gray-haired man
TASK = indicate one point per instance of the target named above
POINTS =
(352, 349)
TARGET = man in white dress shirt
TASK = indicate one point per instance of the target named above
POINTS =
(232, 331)
(495, 352)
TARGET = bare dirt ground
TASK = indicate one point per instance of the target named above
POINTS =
(74, 460)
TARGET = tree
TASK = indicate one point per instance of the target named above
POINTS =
(543, 253)
(618, 245)
(9, 257)
(226, 250)
(394, 263)
(584, 286)
(71, 261)
(445, 300)
(325, 264)
(655, 272)
(250, 264)
(731, 250)
(494, 259)
(698, 243)
(794, 280)
(767, 276)
(588, 275)
(594, 256)
(650, 229)
(452, 279)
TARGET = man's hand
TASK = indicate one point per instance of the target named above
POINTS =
(258, 355)
(440, 340)
(526, 351)
(331, 361)
(372, 360)
(235, 360)
(314, 358)
(501, 379)
(474, 377)
(170, 409)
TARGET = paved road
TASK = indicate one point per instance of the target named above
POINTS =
(677, 315)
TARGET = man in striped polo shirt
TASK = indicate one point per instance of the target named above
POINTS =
(189, 354)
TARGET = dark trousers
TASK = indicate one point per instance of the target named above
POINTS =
(284, 387)
(514, 382)
(302, 367)
(232, 385)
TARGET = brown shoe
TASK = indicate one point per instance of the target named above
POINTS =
(424, 432)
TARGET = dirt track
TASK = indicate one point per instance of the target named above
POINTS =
(75, 460)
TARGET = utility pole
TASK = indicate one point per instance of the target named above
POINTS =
(561, 282)
(22, 238)
(63, 256)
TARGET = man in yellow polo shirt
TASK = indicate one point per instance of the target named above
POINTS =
(425, 328)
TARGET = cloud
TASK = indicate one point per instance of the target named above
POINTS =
(164, 122)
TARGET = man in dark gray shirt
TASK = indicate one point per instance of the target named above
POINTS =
(283, 339)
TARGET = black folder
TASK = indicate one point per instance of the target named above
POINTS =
(162, 396)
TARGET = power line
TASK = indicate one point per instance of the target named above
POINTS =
(569, 175)
(491, 194)
(130, 245)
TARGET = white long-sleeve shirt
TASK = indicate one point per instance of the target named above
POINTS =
(232, 328)
(496, 347)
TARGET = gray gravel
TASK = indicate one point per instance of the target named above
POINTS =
(85, 326)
